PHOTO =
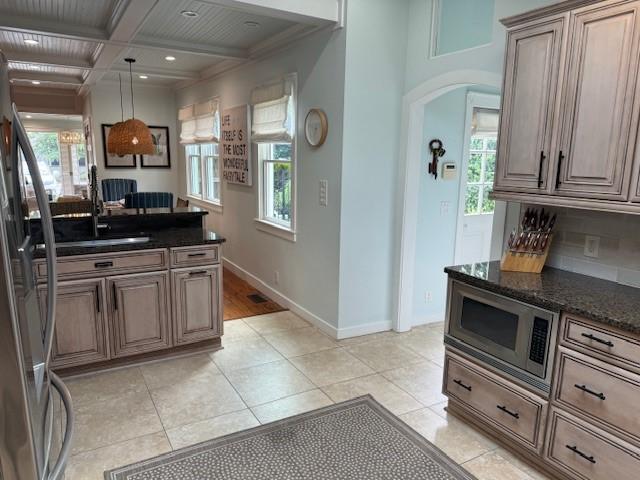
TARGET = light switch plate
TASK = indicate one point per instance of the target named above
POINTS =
(324, 193)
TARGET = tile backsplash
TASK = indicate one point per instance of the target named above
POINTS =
(618, 256)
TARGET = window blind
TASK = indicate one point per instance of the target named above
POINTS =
(200, 122)
(272, 113)
(484, 121)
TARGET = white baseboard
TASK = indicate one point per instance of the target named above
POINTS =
(283, 300)
(367, 329)
(427, 319)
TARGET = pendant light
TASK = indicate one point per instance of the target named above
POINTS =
(133, 137)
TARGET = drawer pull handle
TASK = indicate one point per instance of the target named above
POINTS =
(588, 458)
(598, 340)
(590, 392)
(507, 411)
(198, 273)
(103, 264)
(191, 255)
(466, 387)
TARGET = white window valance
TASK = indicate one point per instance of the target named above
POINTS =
(200, 122)
(484, 121)
(272, 113)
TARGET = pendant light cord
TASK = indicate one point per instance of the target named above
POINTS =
(121, 102)
(133, 108)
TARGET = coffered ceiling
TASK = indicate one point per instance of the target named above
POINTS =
(75, 43)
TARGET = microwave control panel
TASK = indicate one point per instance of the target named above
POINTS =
(538, 343)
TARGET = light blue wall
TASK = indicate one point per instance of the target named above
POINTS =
(308, 268)
(374, 79)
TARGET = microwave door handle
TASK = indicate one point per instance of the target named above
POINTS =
(57, 472)
(20, 135)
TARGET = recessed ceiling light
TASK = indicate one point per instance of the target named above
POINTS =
(31, 41)
(143, 77)
(35, 82)
(29, 116)
(189, 14)
(170, 58)
(251, 24)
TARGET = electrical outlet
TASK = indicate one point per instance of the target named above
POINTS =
(591, 246)
(444, 208)
(428, 297)
(324, 193)
(276, 277)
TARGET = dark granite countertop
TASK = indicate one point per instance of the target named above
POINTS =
(599, 300)
(167, 238)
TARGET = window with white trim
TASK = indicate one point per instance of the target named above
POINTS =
(274, 131)
(482, 162)
(200, 131)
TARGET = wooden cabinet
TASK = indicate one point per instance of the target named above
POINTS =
(197, 306)
(529, 105)
(81, 327)
(594, 158)
(139, 311)
(571, 107)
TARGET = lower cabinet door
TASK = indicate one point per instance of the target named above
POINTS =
(81, 332)
(197, 308)
(139, 313)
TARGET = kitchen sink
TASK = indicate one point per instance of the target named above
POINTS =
(105, 242)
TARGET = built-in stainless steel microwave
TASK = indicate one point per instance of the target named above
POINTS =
(512, 336)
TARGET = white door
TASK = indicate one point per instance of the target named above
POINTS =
(478, 216)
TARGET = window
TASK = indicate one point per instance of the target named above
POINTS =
(203, 171)
(480, 174)
(46, 148)
(273, 129)
(200, 131)
(450, 17)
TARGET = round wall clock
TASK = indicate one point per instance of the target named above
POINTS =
(316, 127)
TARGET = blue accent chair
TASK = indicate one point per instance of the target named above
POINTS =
(114, 189)
(148, 200)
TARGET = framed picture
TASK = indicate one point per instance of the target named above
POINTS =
(162, 156)
(115, 161)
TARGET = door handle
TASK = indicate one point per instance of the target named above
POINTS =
(542, 159)
(115, 296)
(558, 172)
(19, 136)
(98, 297)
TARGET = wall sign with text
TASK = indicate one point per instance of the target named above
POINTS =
(236, 142)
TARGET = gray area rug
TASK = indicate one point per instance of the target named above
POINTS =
(358, 439)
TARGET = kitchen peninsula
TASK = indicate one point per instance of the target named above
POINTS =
(549, 365)
(150, 285)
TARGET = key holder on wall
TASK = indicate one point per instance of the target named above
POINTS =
(435, 147)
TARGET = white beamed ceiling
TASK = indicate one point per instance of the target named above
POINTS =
(81, 42)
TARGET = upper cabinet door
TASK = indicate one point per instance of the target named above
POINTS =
(595, 155)
(529, 105)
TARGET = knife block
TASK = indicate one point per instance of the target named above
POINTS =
(523, 260)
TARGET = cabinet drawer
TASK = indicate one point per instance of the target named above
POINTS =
(505, 406)
(613, 346)
(193, 256)
(106, 264)
(599, 391)
(587, 453)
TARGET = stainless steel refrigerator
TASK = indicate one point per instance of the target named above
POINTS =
(34, 442)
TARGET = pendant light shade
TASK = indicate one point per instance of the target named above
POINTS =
(130, 137)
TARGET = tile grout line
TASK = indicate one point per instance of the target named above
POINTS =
(155, 407)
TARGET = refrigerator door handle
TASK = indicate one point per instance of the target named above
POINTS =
(58, 470)
(42, 198)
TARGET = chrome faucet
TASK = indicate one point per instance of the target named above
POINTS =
(95, 203)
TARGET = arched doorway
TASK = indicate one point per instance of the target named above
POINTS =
(409, 178)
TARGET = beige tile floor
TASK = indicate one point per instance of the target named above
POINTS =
(273, 366)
